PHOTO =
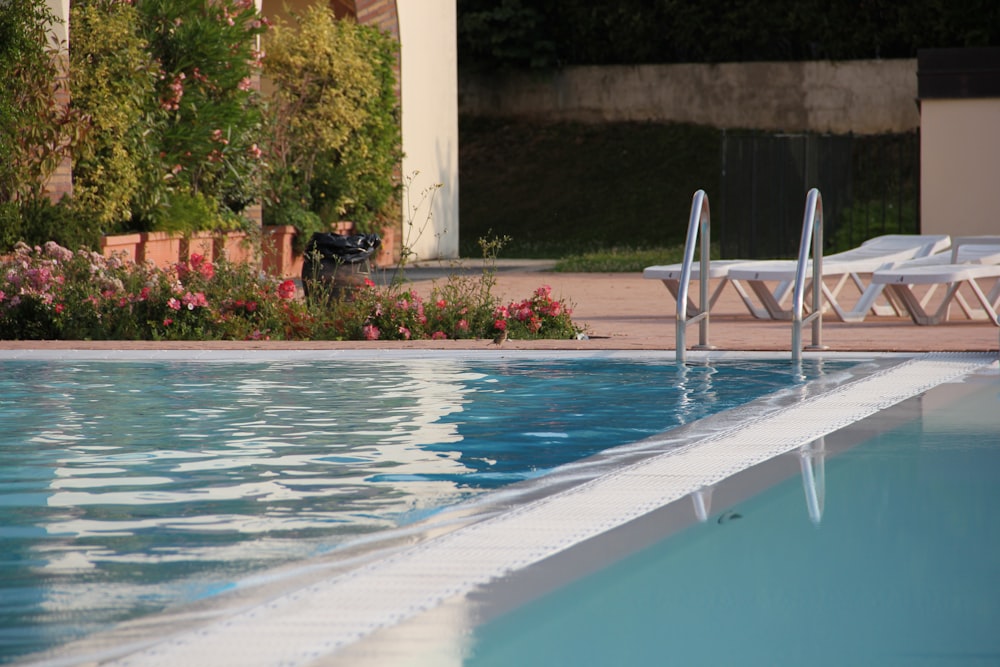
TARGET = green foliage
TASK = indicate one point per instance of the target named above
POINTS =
(36, 221)
(35, 132)
(187, 212)
(863, 220)
(509, 34)
(113, 87)
(523, 34)
(357, 181)
(11, 228)
(624, 259)
(290, 212)
(333, 119)
(208, 112)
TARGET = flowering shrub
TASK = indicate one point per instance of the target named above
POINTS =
(53, 293)
(541, 316)
(50, 292)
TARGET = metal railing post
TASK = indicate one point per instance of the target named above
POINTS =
(698, 225)
(812, 239)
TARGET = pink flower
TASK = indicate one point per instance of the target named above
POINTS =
(196, 300)
(167, 322)
(370, 332)
(404, 332)
(286, 290)
(174, 304)
(500, 325)
(463, 325)
(198, 263)
(255, 152)
(441, 303)
(439, 335)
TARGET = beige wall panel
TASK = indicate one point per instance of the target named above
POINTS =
(960, 166)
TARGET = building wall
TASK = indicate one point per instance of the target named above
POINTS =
(863, 97)
(959, 92)
(429, 64)
(959, 163)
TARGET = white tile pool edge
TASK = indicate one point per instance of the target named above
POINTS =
(305, 355)
(315, 622)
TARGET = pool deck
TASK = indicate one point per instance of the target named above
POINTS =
(624, 311)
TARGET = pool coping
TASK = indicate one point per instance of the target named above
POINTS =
(311, 624)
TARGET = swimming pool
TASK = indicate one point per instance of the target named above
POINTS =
(902, 570)
(129, 486)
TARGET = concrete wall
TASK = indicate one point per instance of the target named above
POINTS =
(959, 163)
(429, 63)
(863, 97)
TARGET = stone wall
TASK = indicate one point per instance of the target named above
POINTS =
(861, 97)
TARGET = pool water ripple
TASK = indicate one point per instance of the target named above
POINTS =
(127, 487)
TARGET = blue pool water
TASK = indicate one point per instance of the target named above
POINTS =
(126, 487)
(903, 569)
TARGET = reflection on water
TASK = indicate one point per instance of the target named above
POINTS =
(125, 487)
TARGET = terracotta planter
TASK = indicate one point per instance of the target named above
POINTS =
(126, 246)
(160, 248)
(199, 243)
(235, 247)
(388, 252)
(279, 258)
(344, 228)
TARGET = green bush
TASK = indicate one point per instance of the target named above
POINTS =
(333, 140)
(207, 113)
(113, 74)
(536, 34)
(36, 133)
(36, 221)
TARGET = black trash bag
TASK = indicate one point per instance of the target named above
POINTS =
(345, 249)
(334, 265)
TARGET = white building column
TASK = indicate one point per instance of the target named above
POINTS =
(429, 100)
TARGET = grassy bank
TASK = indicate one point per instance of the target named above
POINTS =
(564, 189)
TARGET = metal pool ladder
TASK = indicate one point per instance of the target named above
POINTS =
(812, 234)
(811, 242)
(697, 223)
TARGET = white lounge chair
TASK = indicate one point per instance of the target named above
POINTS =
(670, 275)
(971, 260)
(880, 252)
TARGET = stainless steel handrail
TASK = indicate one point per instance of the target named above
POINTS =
(812, 235)
(698, 225)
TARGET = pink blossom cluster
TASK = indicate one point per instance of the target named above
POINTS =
(530, 313)
(172, 101)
